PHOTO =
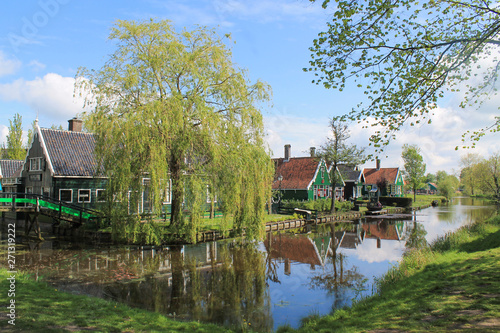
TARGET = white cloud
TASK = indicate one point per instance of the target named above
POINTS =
(4, 131)
(36, 65)
(300, 132)
(50, 96)
(8, 65)
(437, 140)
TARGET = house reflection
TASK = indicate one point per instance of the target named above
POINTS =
(220, 282)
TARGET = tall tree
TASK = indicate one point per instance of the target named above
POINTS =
(469, 163)
(171, 105)
(414, 167)
(407, 54)
(488, 176)
(337, 151)
(15, 148)
(448, 186)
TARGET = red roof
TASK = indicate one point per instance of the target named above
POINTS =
(372, 175)
(381, 230)
(296, 248)
(297, 172)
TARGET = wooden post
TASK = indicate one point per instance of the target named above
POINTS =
(26, 224)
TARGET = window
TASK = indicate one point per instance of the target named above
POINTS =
(83, 195)
(100, 195)
(36, 164)
(46, 191)
(167, 198)
(66, 195)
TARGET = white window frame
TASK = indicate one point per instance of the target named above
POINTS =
(66, 189)
(36, 164)
(168, 193)
(80, 195)
(209, 200)
(97, 195)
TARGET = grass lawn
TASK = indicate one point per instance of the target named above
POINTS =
(424, 199)
(453, 286)
(41, 308)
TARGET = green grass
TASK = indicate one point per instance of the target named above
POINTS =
(41, 308)
(452, 286)
(424, 199)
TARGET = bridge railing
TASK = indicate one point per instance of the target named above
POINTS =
(19, 200)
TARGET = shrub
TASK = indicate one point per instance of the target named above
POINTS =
(398, 201)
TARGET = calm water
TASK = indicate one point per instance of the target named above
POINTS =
(263, 284)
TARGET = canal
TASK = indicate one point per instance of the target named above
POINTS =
(237, 283)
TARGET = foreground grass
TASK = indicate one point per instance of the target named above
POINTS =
(453, 286)
(41, 308)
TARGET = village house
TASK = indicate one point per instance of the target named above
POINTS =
(354, 181)
(61, 165)
(303, 178)
(391, 178)
(10, 176)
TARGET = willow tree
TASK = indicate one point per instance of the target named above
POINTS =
(173, 108)
(406, 55)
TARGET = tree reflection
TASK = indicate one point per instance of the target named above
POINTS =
(337, 277)
(415, 237)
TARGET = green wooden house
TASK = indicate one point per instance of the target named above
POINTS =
(61, 165)
(392, 178)
(302, 178)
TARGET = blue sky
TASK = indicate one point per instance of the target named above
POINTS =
(44, 42)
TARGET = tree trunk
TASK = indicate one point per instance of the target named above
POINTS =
(177, 193)
(333, 178)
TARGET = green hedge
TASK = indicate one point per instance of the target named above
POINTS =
(396, 201)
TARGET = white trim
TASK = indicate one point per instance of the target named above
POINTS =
(90, 195)
(97, 195)
(316, 174)
(66, 189)
(44, 149)
(81, 177)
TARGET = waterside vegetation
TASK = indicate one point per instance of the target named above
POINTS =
(452, 284)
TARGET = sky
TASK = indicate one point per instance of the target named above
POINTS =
(44, 42)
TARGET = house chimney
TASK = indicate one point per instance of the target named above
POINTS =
(75, 125)
(288, 150)
(312, 150)
(378, 164)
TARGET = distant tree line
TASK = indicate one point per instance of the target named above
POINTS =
(481, 176)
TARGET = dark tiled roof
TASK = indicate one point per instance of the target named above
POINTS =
(8, 168)
(71, 153)
(297, 172)
(349, 174)
(372, 175)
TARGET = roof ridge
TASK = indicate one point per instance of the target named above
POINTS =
(58, 130)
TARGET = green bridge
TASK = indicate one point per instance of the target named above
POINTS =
(33, 205)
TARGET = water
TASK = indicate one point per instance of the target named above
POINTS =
(238, 283)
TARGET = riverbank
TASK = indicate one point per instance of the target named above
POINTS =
(452, 286)
(38, 307)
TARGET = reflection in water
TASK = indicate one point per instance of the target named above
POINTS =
(240, 283)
